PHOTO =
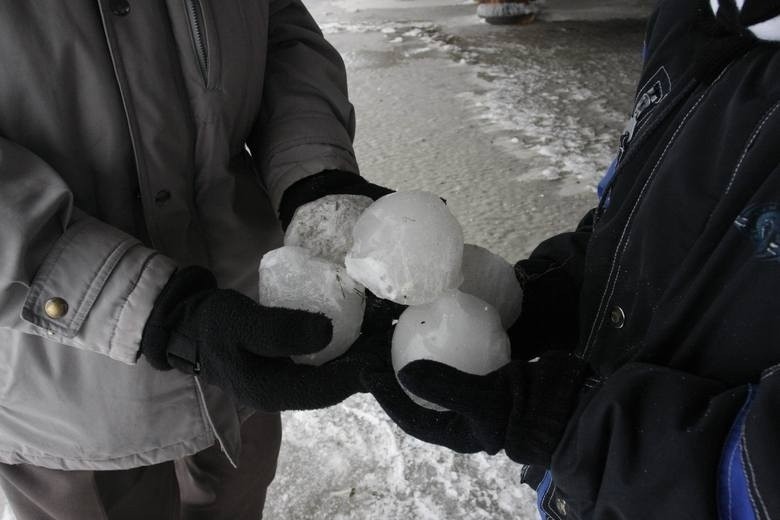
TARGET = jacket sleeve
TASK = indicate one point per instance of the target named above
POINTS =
(656, 441)
(307, 123)
(65, 275)
(551, 278)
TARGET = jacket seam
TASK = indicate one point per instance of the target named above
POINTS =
(770, 371)
(109, 459)
(93, 289)
(123, 307)
(752, 488)
(749, 144)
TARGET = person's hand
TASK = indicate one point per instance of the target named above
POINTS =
(329, 182)
(232, 342)
(521, 408)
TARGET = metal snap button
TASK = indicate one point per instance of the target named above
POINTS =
(55, 308)
(120, 7)
(617, 317)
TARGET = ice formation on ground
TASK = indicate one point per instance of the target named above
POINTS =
(292, 277)
(457, 329)
(492, 279)
(407, 248)
(324, 226)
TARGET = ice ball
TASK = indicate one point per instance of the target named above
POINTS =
(407, 248)
(324, 226)
(293, 278)
(457, 329)
(492, 279)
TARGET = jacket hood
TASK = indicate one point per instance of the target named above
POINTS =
(760, 17)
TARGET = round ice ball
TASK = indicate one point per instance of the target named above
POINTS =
(293, 278)
(457, 329)
(324, 226)
(407, 248)
(492, 279)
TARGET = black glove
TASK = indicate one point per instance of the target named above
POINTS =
(232, 342)
(328, 182)
(521, 408)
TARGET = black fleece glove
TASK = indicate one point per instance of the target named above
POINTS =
(328, 182)
(232, 342)
(521, 408)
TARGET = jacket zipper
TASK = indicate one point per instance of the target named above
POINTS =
(199, 40)
(609, 287)
(647, 100)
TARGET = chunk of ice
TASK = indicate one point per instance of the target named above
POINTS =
(492, 279)
(407, 248)
(457, 329)
(324, 226)
(292, 277)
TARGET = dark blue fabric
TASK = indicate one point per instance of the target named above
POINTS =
(734, 491)
(604, 182)
(541, 491)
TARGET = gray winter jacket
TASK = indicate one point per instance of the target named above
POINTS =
(136, 135)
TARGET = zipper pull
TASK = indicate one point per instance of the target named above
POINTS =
(646, 101)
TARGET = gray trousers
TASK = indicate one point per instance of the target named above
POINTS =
(201, 487)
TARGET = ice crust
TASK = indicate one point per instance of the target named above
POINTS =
(492, 279)
(407, 248)
(292, 277)
(458, 329)
(324, 226)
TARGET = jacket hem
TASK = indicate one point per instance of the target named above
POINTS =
(145, 458)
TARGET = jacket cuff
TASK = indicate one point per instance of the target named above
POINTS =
(95, 290)
(295, 148)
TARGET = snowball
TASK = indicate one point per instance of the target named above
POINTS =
(407, 248)
(292, 277)
(324, 226)
(492, 279)
(457, 329)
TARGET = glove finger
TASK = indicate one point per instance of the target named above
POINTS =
(441, 428)
(450, 388)
(276, 385)
(279, 332)
(379, 314)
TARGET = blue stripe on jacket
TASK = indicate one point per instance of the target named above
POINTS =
(733, 487)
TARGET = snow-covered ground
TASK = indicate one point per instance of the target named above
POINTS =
(513, 126)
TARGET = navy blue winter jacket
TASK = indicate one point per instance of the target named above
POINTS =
(674, 284)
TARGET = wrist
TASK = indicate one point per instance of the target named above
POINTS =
(160, 343)
(547, 393)
(328, 182)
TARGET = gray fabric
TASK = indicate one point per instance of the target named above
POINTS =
(119, 160)
(200, 487)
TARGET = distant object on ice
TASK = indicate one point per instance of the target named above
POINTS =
(507, 11)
